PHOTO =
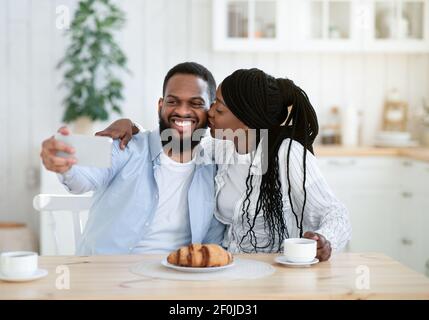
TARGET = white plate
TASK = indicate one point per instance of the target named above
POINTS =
(40, 273)
(165, 263)
(282, 260)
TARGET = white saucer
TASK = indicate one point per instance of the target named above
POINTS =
(40, 273)
(165, 263)
(283, 260)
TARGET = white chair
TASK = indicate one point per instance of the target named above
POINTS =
(73, 204)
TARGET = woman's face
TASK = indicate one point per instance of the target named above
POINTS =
(221, 118)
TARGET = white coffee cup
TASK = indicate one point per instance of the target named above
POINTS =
(18, 263)
(300, 250)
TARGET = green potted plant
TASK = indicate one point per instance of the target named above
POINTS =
(92, 64)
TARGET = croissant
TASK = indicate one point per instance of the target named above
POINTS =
(200, 255)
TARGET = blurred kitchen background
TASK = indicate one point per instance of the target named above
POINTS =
(364, 65)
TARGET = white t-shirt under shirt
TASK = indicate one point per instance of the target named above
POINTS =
(170, 227)
(234, 187)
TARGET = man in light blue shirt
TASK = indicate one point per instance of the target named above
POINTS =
(155, 197)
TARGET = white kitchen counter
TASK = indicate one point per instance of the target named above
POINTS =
(416, 153)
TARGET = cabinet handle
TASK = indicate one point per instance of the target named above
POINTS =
(406, 241)
(427, 268)
(406, 194)
(407, 164)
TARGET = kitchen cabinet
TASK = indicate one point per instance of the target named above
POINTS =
(414, 218)
(321, 25)
(374, 218)
(396, 25)
(387, 198)
(250, 25)
(327, 26)
(413, 249)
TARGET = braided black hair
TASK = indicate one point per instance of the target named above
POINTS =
(263, 102)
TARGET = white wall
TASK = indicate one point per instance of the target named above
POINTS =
(159, 34)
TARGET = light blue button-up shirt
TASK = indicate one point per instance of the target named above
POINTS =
(126, 197)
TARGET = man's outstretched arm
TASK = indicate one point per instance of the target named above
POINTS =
(122, 129)
(78, 179)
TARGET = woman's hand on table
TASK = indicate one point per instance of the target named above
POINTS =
(324, 248)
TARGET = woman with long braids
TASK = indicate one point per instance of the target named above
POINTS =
(270, 187)
(275, 190)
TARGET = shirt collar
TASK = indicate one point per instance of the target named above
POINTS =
(256, 156)
(256, 167)
(155, 145)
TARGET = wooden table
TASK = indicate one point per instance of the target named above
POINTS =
(108, 277)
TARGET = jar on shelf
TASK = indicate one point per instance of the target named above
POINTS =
(331, 130)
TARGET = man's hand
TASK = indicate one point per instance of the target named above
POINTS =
(50, 147)
(324, 249)
(122, 129)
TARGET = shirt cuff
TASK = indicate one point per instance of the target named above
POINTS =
(66, 176)
(138, 126)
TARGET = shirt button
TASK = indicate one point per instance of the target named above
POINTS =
(146, 224)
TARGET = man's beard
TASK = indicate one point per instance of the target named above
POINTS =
(178, 143)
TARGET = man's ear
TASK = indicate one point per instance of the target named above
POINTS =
(160, 102)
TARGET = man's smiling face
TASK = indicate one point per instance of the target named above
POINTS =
(184, 106)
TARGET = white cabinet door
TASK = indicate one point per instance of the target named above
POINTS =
(414, 218)
(422, 261)
(397, 26)
(251, 25)
(369, 187)
(414, 222)
(326, 25)
(321, 25)
(388, 202)
(374, 217)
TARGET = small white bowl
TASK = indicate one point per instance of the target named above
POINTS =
(17, 264)
(299, 250)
